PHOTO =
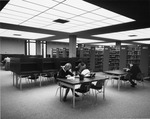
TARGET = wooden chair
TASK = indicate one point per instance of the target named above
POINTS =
(33, 77)
(83, 89)
(99, 87)
(140, 78)
(57, 82)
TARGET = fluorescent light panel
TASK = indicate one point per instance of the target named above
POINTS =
(28, 5)
(59, 13)
(21, 9)
(110, 44)
(127, 35)
(16, 13)
(143, 41)
(22, 34)
(79, 13)
(7, 20)
(79, 40)
(69, 9)
(80, 4)
(45, 3)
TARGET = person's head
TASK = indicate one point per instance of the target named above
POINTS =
(67, 66)
(131, 65)
(80, 61)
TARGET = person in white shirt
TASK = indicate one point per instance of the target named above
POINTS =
(7, 63)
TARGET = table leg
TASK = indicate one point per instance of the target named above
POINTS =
(20, 82)
(60, 92)
(16, 80)
(119, 83)
(104, 90)
(40, 80)
(13, 78)
(73, 97)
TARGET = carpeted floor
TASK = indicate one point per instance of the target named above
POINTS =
(34, 102)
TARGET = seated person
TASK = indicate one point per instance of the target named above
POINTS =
(132, 74)
(84, 87)
(63, 72)
(87, 73)
(80, 67)
(134, 71)
(127, 69)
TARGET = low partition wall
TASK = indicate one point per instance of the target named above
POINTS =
(26, 64)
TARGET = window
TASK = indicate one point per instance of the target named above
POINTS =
(31, 47)
(34, 47)
(43, 48)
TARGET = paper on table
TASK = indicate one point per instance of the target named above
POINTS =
(71, 77)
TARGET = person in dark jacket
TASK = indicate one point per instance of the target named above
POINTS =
(63, 73)
(134, 71)
(65, 70)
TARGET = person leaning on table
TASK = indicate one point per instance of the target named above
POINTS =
(63, 73)
(80, 67)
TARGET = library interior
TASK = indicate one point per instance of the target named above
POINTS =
(39, 38)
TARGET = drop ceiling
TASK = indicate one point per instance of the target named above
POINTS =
(100, 20)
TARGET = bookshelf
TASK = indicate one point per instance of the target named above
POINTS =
(65, 52)
(106, 58)
(123, 57)
(96, 59)
(54, 52)
(84, 52)
(149, 63)
(114, 58)
(133, 54)
(60, 52)
(144, 59)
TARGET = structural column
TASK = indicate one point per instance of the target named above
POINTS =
(38, 48)
(72, 46)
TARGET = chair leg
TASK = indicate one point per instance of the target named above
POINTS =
(57, 91)
(96, 95)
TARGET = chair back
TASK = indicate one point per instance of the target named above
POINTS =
(55, 77)
(33, 76)
(139, 77)
(127, 76)
(85, 87)
(100, 83)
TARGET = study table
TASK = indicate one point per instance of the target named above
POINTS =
(116, 73)
(23, 75)
(28, 73)
(70, 83)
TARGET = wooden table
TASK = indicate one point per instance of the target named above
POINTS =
(19, 78)
(116, 73)
(70, 83)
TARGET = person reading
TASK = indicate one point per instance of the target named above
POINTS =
(63, 73)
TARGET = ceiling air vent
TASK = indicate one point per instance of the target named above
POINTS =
(62, 21)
